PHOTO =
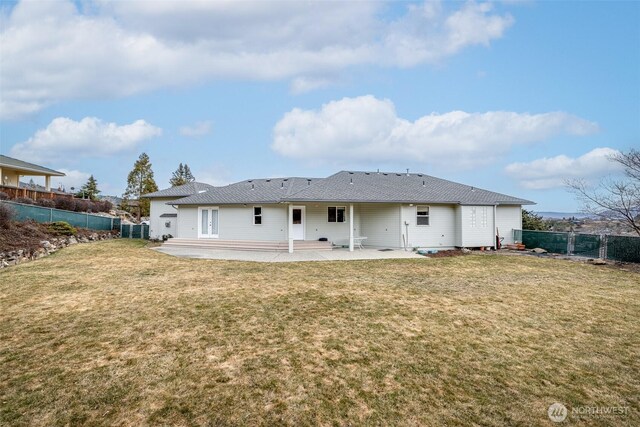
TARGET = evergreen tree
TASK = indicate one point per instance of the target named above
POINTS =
(140, 182)
(89, 190)
(182, 176)
(531, 221)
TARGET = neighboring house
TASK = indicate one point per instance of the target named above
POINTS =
(41, 189)
(392, 210)
(11, 170)
(163, 216)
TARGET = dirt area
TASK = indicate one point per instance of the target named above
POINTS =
(447, 254)
(28, 235)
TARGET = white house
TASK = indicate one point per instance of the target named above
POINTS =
(375, 209)
(163, 218)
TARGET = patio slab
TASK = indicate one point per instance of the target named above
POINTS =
(272, 256)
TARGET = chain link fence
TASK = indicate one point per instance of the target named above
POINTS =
(41, 214)
(605, 246)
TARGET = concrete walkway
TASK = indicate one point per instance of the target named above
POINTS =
(272, 256)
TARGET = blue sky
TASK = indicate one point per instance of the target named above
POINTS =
(513, 97)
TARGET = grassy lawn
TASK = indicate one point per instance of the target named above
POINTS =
(112, 333)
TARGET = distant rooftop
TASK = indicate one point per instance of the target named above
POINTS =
(10, 162)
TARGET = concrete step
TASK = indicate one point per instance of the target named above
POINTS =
(258, 245)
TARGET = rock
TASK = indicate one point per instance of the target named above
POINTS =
(46, 244)
(466, 251)
(598, 261)
(539, 251)
(72, 240)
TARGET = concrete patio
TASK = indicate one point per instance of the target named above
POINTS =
(273, 256)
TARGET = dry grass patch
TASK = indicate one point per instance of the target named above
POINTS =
(112, 333)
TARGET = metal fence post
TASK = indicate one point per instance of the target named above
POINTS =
(570, 243)
(603, 247)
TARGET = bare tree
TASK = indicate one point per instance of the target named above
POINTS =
(614, 199)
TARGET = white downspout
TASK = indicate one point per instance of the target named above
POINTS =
(290, 228)
(495, 227)
(351, 227)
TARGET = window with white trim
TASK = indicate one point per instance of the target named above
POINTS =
(336, 214)
(422, 215)
(257, 215)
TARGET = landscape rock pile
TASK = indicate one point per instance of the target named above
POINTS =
(47, 247)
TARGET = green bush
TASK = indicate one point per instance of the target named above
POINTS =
(62, 228)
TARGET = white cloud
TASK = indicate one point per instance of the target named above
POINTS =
(217, 176)
(197, 130)
(64, 139)
(307, 84)
(551, 172)
(368, 130)
(74, 178)
(52, 51)
(426, 34)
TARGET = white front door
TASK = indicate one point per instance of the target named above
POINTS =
(208, 222)
(297, 217)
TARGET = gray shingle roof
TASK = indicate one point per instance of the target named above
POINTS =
(10, 162)
(180, 191)
(269, 190)
(357, 187)
(346, 186)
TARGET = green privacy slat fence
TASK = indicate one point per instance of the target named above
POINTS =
(623, 248)
(617, 248)
(133, 231)
(587, 245)
(77, 219)
(551, 241)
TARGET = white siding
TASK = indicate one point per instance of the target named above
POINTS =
(317, 224)
(380, 223)
(157, 225)
(187, 222)
(236, 223)
(458, 226)
(508, 218)
(475, 230)
(439, 234)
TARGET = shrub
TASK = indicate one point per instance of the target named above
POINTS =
(104, 205)
(65, 204)
(81, 205)
(6, 215)
(62, 228)
(46, 203)
(4, 196)
(24, 200)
